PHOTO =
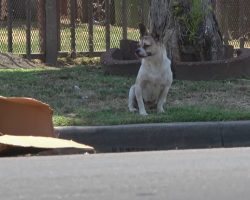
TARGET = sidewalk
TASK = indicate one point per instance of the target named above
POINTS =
(144, 137)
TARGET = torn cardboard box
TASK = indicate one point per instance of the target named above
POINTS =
(25, 116)
(21, 118)
(42, 143)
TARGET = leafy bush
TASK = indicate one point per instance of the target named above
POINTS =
(190, 15)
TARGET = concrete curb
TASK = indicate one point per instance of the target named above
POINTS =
(143, 137)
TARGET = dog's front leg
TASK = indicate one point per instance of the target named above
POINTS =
(132, 99)
(162, 100)
(139, 99)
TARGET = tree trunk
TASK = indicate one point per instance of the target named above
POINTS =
(161, 24)
(212, 33)
(187, 28)
(160, 18)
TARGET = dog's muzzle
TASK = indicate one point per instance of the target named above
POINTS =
(141, 53)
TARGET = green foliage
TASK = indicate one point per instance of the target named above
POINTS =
(191, 18)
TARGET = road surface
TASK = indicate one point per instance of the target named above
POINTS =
(222, 174)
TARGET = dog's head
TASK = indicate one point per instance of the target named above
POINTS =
(148, 44)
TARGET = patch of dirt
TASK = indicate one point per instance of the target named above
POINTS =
(11, 61)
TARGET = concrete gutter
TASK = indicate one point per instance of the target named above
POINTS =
(143, 137)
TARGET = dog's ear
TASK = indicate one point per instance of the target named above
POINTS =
(156, 36)
(142, 29)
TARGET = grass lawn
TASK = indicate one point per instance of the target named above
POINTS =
(83, 95)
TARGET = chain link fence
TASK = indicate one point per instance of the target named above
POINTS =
(97, 25)
(84, 21)
(20, 28)
(234, 20)
(91, 22)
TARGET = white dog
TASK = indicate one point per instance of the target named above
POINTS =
(154, 77)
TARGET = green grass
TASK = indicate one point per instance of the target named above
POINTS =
(102, 99)
(82, 38)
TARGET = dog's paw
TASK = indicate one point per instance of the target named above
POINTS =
(133, 110)
(143, 113)
(160, 110)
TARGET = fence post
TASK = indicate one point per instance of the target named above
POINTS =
(241, 23)
(142, 10)
(58, 10)
(73, 9)
(124, 19)
(84, 16)
(28, 28)
(10, 23)
(51, 46)
(91, 29)
(226, 39)
(107, 22)
(41, 25)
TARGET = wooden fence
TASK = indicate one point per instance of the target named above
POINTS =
(51, 28)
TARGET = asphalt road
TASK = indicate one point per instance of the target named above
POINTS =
(222, 174)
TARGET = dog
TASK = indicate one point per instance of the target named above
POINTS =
(154, 78)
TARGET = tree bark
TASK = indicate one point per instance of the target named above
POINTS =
(187, 27)
(160, 18)
(161, 26)
(213, 34)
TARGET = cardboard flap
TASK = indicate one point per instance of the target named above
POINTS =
(25, 116)
(41, 142)
(2, 146)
